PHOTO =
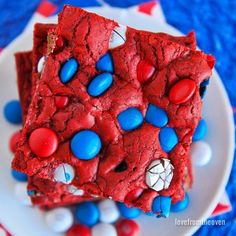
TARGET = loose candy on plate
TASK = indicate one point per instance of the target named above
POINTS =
(86, 144)
(100, 84)
(129, 213)
(64, 173)
(109, 212)
(13, 141)
(200, 131)
(59, 219)
(130, 119)
(20, 190)
(168, 138)
(181, 205)
(103, 229)
(43, 142)
(87, 213)
(12, 112)
(79, 230)
(201, 153)
(68, 70)
(161, 206)
(21, 177)
(126, 227)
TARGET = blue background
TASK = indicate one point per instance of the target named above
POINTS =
(214, 22)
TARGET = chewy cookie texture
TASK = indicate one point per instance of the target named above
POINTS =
(114, 111)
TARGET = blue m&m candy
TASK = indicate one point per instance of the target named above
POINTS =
(85, 144)
(12, 112)
(21, 177)
(100, 84)
(168, 138)
(200, 131)
(68, 70)
(156, 116)
(87, 213)
(181, 205)
(203, 87)
(129, 213)
(161, 206)
(105, 63)
(130, 119)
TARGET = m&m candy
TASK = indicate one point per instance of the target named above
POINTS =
(43, 142)
(68, 70)
(100, 84)
(145, 70)
(105, 63)
(85, 144)
(168, 138)
(12, 112)
(156, 116)
(200, 131)
(161, 206)
(130, 119)
(87, 213)
(21, 177)
(181, 205)
(129, 213)
(79, 230)
(61, 101)
(182, 91)
(64, 173)
(103, 229)
(59, 219)
(127, 227)
(41, 64)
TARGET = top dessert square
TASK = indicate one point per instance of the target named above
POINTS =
(114, 111)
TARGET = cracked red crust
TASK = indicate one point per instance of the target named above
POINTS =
(172, 61)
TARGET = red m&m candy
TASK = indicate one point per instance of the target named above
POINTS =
(61, 101)
(127, 228)
(43, 142)
(182, 91)
(133, 195)
(14, 140)
(78, 230)
(144, 71)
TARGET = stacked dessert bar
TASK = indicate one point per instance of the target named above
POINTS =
(109, 112)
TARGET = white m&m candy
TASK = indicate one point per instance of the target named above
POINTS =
(75, 191)
(200, 153)
(21, 193)
(59, 220)
(64, 173)
(103, 229)
(109, 212)
(41, 64)
(118, 36)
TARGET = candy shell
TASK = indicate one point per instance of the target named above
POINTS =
(105, 63)
(130, 119)
(100, 84)
(145, 70)
(64, 173)
(156, 116)
(109, 212)
(59, 219)
(133, 195)
(168, 138)
(118, 36)
(182, 91)
(14, 140)
(21, 177)
(79, 230)
(103, 229)
(20, 190)
(61, 101)
(41, 64)
(129, 213)
(126, 227)
(181, 205)
(85, 145)
(68, 70)
(200, 131)
(43, 142)
(201, 153)
(87, 213)
(161, 206)
(12, 112)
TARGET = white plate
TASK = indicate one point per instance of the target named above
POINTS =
(209, 181)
